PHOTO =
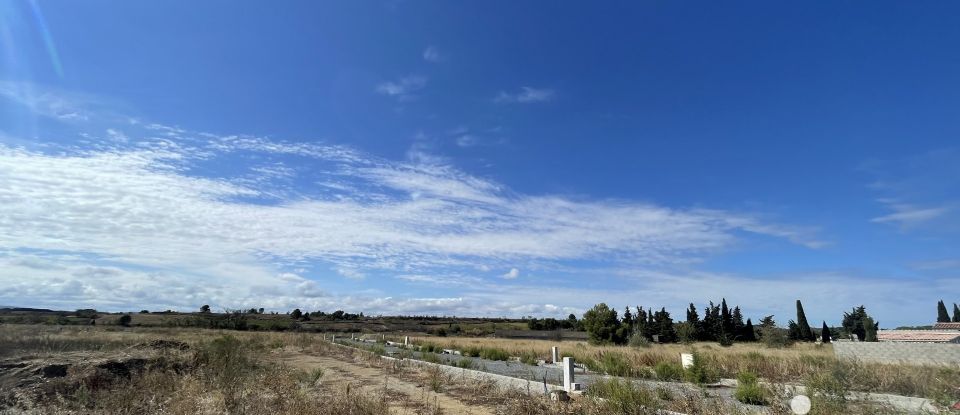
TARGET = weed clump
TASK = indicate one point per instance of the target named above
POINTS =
(749, 390)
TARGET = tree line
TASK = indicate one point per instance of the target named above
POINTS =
(719, 323)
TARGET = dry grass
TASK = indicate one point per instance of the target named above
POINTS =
(795, 365)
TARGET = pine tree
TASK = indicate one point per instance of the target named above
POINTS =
(956, 313)
(627, 320)
(748, 334)
(726, 321)
(805, 333)
(942, 316)
(793, 330)
(665, 326)
(640, 322)
(853, 322)
(694, 320)
(869, 329)
(737, 317)
(825, 333)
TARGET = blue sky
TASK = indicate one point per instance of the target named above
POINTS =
(485, 158)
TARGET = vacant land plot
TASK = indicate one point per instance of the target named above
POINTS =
(801, 364)
(99, 370)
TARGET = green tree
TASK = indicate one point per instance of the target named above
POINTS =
(601, 324)
(825, 333)
(693, 320)
(726, 320)
(296, 314)
(956, 313)
(748, 333)
(205, 308)
(664, 324)
(869, 329)
(738, 327)
(859, 323)
(942, 315)
(805, 333)
(124, 320)
(627, 320)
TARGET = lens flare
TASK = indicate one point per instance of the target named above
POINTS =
(47, 38)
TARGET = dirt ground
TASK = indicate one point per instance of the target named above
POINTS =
(407, 394)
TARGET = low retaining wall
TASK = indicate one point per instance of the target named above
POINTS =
(940, 354)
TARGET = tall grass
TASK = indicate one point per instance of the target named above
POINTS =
(791, 365)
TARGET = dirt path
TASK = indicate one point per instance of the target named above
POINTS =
(404, 397)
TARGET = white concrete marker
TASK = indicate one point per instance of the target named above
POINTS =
(406, 340)
(568, 363)
(686, 359)
(555, 354)
(800, 404)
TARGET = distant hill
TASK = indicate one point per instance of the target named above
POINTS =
(12, 308)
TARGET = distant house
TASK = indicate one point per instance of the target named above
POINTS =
(947, 326)
(920, 336)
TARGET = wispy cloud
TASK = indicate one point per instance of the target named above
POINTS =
(150, 222)
(920, 192)
(432, 54)
(404, 88)
(526, 95)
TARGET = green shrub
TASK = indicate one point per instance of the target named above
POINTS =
(471, 351)
(529, 358)
(623, 397)
(615, 364)
(493, 353)
(749, 391)
(701, 372)
(638, 340)
(465, 364)
(430, 357)
(669, 371)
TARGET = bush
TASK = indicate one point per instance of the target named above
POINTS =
(623, 397)
(749, 391)
(638, 340)
(465, 364)
(701, 372)
(494, 354)
(124, 320)
(472, 351)
(668, 371)
(615, 364)
(529, 358)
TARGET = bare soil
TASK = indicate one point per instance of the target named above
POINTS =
(406, 395)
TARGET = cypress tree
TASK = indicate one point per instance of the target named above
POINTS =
(748, 333)
(640, 322)
(869, 329)
(693, 319)
(627, 320)
(804, 331)
(956, 313)
(737, 317)
(726, 321)
(942, 316)
(825, 333)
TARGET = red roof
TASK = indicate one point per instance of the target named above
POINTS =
(925, 336)
(946, 326)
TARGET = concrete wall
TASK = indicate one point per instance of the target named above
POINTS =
(943, 354)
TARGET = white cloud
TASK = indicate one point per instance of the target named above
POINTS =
(512, 274)
(432, 54)
(526, 95)
(404, 88)
(908, 216)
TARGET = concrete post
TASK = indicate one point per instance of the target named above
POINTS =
(554, 354)
(406, 340)
(333, 338)
(568, 374)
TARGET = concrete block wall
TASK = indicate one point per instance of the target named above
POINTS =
(941, 354)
